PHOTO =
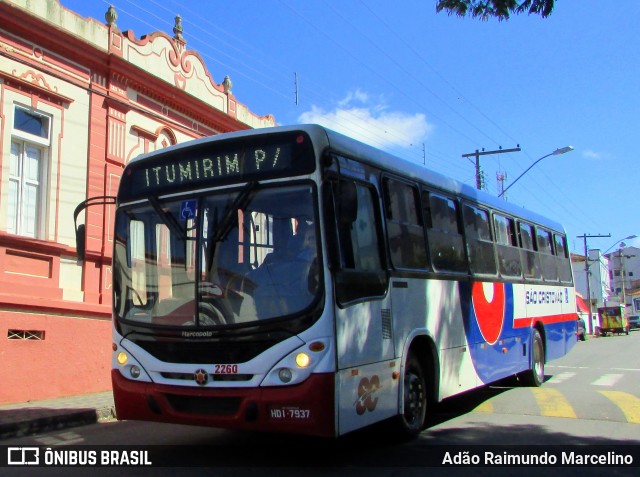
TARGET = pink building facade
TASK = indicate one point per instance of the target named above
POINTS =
(78, 100)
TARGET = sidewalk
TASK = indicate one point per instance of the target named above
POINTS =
(33, 417)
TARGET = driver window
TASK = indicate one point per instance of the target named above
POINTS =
(358, 231)
(138, 264)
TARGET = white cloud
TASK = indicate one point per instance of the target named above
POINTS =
(370, 120)
(591, 154)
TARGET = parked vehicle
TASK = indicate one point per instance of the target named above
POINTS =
(580, 331)
(634, 322)
(612, 320)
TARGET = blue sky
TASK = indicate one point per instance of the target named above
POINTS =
(431, 87)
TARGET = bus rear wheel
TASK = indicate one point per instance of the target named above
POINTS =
(534, 377)
(412, 419)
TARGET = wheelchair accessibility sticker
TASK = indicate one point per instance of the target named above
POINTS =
(188, 209)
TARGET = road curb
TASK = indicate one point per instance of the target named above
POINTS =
(55, 420)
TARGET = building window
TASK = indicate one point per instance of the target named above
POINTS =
(30, 143)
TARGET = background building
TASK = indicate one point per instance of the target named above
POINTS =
(614, 279)
(625, 277)
(78, 100)
(599, 287)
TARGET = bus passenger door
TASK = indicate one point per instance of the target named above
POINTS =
(367, 392)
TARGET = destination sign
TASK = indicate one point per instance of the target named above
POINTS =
(219, 163)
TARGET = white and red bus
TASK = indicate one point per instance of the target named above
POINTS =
(292, 279)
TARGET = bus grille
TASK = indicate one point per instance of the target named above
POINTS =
(212, 406)
(213, 377)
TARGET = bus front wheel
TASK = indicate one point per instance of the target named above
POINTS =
(411, 420)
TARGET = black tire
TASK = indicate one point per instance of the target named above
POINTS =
(411, 421)
(534, 377)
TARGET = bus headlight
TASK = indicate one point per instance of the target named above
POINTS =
(302, 360)
(122, 358)
(285, 375)
(134, 371)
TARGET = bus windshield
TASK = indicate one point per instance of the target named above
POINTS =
(228, 258)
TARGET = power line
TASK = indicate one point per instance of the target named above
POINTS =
(259, 74)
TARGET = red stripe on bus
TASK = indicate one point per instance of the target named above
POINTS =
(547, 320)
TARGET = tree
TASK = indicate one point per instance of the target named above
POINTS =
(500, 9)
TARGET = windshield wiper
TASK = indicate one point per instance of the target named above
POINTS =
(231, 215)
(168, 218)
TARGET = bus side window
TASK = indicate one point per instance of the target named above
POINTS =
(562, 256)
(446, 243)
(404, 227)
(506, 246)
(482, 256)
(549, 265)
(530, 259)
(360, 274)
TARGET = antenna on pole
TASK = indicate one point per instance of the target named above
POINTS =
(477, 155)
(501, 177)
(295, 78)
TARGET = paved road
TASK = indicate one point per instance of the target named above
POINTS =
(599, 380)
(590, 398)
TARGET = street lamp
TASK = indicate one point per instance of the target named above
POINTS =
(557, 152)
(630, 237)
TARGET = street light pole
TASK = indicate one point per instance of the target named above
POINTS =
(622, 276)
(557, 152)
(590, 329)
(630, 237)
(587, 266)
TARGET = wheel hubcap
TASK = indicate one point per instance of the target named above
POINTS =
(413, 399)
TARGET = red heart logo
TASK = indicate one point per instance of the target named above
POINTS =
(489, 314)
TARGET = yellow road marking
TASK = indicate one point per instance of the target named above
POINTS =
(486, 406)
(553, 403)
(628, 404)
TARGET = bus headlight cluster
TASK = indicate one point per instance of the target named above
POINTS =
(297, 366)
(128, 365)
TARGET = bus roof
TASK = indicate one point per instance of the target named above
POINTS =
(324, 139)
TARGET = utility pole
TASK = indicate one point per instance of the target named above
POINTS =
(586, 272)
(477, 155)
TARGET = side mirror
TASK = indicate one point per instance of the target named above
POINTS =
(81, 241)
(81, 230)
